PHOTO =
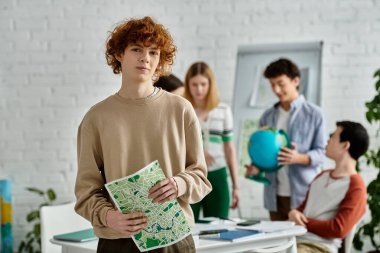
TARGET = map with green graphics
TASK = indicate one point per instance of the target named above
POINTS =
(166, 221)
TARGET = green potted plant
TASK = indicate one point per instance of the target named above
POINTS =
(372, 158)
(32, 241)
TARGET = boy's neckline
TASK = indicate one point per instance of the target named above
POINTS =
(340, 176)
(154, 92)
(145, 100)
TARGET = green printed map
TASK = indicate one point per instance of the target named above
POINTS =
(166, 222)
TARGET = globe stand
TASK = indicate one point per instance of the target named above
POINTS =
(260, 178)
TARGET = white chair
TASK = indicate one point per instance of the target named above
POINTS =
(347, 241)
(59, 219)
(291, 245)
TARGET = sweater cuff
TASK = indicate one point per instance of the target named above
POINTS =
(181, 184)
(102, 214)
(316, 157)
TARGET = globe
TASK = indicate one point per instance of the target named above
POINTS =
(263, 148)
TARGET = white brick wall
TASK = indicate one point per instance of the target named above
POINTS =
(52, 69)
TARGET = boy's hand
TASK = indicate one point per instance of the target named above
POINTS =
(163, 191)
(251, 170)
(128, 224)
(288, 156)
(209, 159)
(235, 198)
(298, 217)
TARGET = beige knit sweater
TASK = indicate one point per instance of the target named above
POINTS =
(120, 136)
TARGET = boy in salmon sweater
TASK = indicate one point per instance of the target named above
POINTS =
(336, 199)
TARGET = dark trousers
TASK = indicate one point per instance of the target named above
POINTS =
(126, 245)
(283, 208)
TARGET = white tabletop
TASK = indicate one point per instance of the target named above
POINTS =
(265, 240)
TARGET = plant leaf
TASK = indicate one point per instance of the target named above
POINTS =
(29, 234)
(377, 73)
(38, 191)
(357, 242)
(51, 194)
(372, 158)
(21, 247)
(369, 116)
(358, 167)
(29, 243)
(33, 215)
(37, 230)
(377, 85)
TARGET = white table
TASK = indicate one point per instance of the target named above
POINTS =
(266, 242)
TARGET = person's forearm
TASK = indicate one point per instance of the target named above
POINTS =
(304, 159)
(192, 183)
(234, 175)
(91, 199)
(230, 154)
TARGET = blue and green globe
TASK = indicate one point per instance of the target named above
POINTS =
(263, 148)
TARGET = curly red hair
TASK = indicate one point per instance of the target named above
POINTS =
(144, 31)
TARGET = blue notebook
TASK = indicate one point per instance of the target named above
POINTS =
(233, 235)
(77, 236)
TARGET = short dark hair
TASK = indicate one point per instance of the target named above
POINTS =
(357, 135)
(169, 83)
(280, 67)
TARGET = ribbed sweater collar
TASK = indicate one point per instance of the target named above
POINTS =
(139, 101)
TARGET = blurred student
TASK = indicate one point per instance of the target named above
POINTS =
(171, 83)
(128, 130)
(304, 123)
(217, 129)
(336, 199)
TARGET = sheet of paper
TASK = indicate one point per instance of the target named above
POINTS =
(167, 223)
(269, 226)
